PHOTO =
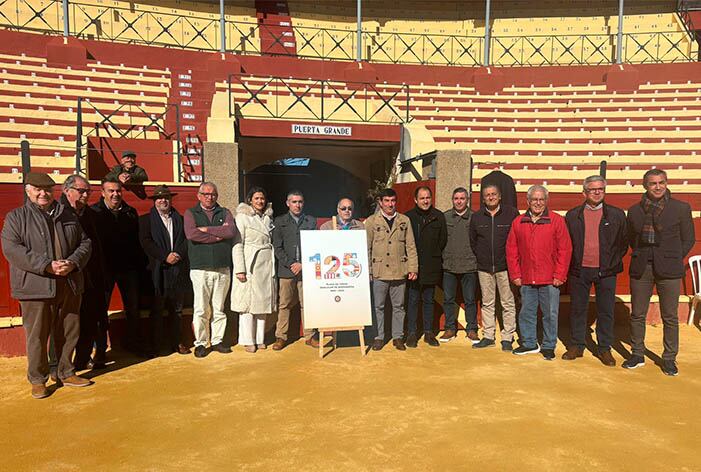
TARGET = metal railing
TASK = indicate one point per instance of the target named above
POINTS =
(135, 24)
(317, 100)
(107, 126)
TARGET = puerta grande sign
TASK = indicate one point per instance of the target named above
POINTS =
(322, 130)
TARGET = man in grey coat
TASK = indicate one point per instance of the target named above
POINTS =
(459, 264)
(47, 249)
(286, 243)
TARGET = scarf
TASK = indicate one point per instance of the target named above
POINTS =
(649, 234)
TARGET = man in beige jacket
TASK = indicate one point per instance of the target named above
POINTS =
(393, 260)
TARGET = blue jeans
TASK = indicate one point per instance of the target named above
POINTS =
(548, 297)
(425, 294)
(450, 290)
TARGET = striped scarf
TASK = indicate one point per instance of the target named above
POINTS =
(649, 234)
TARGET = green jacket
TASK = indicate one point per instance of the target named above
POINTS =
(138, 174)
(207, 255)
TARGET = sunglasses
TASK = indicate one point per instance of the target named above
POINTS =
(345, 208)
(81, 191)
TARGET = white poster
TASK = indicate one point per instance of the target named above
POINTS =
(335, 279)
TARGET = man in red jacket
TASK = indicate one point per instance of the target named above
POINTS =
(538, 252)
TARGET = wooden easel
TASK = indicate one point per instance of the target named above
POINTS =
(333, 331)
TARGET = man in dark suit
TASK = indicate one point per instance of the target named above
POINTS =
(289, 265)
(661, 234)
(162, 236)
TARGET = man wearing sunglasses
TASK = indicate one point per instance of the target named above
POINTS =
(599, 242)
(93, 309)
(344, 217)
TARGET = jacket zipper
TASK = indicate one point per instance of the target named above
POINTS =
(494, 267)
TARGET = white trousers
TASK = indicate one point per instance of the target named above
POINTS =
(251, 327)
(210, 288)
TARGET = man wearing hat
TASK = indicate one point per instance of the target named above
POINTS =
(162, 235)
(47, 249)
(128, 172)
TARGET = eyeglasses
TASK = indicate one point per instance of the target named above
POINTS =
(212, 195)
(596, 190)
(538, 200)
(345, 208)
(81, 191)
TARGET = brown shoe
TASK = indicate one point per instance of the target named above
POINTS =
(312, 342)
(182, 349)
(75, 381)
(473, 337)
(448, 336)
(572, 353)
(40, 391)
(279, 344)
(607, 359)
(399, 344)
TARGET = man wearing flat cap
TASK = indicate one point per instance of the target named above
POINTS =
(47, 249)
(128, 173)
(162, 236)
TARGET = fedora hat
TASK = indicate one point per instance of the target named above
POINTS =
(39, 179)
(161, 191)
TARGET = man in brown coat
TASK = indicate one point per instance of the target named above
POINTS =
(393, 260)
(47, 248)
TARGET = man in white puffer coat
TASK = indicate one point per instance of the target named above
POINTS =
(253, 294)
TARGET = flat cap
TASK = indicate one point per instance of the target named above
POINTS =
(38, 179)
(128, 153)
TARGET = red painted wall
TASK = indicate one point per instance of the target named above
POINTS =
(155, 156)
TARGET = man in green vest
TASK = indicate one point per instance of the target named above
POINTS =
(210, 230)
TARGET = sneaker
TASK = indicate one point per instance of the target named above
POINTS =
(251, 348)
(201, 351)
(431, 340)
(221, 348)
(448, 336)
(484, 342)
(39, 391)
(262, 346)
(548, 354)
(670, 368)
(378, 344)
(634, 362)
(506, 346)
(522, 350)
(412, 341)
(75, 381)
(473, 337)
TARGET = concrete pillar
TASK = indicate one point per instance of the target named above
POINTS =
(453, 169)
(222, 168)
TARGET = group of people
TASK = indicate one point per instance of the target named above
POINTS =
(66, 257)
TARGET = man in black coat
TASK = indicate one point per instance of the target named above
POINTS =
(162, 236)
(431, 235)
(599, 242)
(661, 234)
(118, 231)
(93, 308)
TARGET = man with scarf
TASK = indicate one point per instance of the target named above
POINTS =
(162, 235)
(431, 235)
(661, 234)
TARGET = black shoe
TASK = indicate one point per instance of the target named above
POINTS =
(399, 344)
(430, 339)
(378, 344)
(221, 348)
(670, 368)
(506, 346)
(201, 351)
(484, 342)
(521, 350)
(634, 362)
(548, 354)
(412, 341)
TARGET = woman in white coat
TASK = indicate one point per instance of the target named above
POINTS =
(253, 294)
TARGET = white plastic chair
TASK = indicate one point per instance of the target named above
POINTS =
(695, 265)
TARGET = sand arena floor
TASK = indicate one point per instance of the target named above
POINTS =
(446, 408)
